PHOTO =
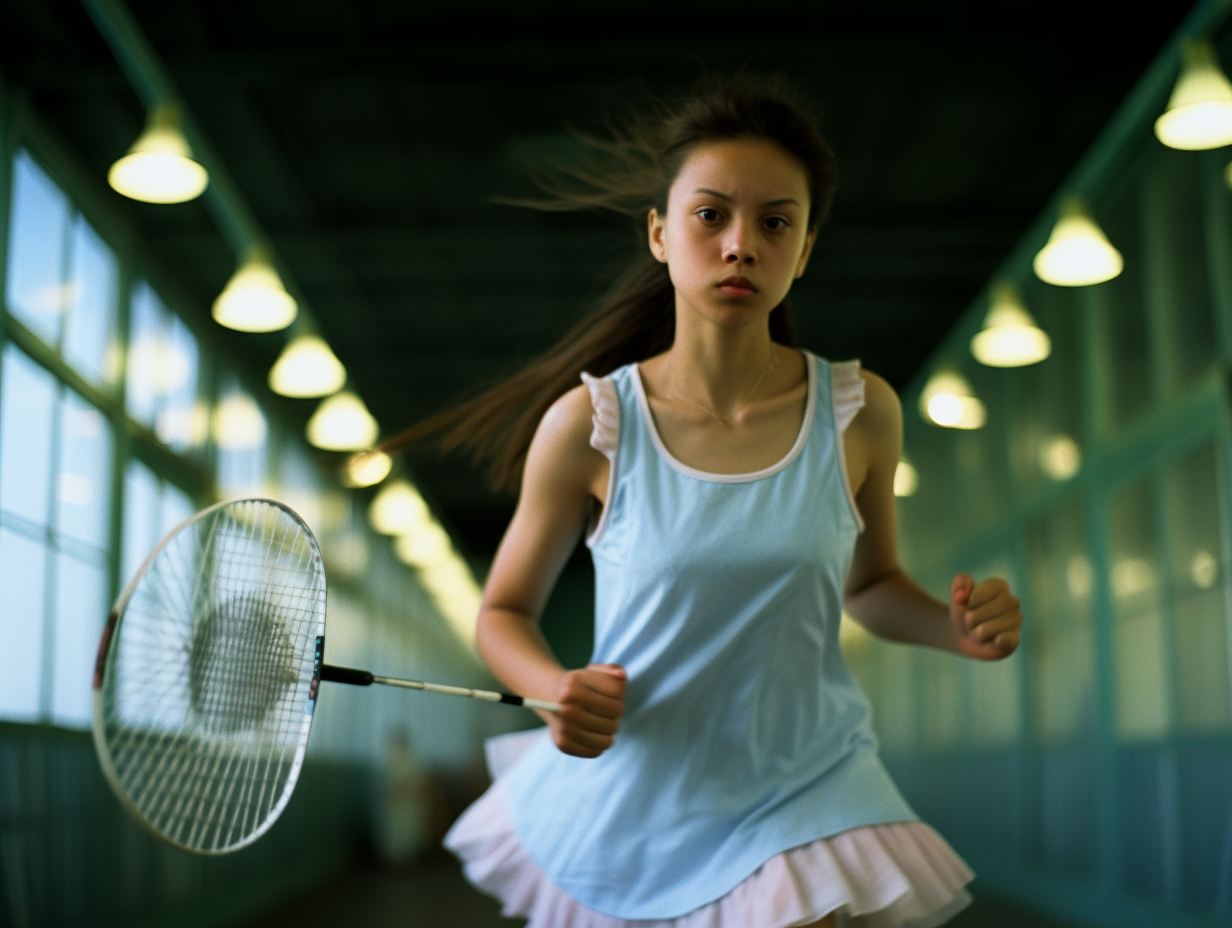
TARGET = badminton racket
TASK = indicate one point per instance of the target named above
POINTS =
(208, 671)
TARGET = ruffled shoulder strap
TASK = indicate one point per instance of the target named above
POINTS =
(847, 388)
(605, 434)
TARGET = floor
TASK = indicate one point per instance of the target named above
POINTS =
(435, 894)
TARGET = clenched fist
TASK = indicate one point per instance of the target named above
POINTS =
(592, 700)
(986, 616)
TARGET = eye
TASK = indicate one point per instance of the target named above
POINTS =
(779, 219)
(708, 209)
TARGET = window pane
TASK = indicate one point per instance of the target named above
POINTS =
(1058, 628)
(83, 487)
(1047, 438)
(141, 523)
(1143, 703)
(1197, 556)
(22, 566)
(1202, 663)
(1126, 349)
(38, 225)
(299, 485)
(90, 346)
(182, 419)
(240, 431)
(145, 361)
(27, 399)
(176, 507)
(1193, 506)
(979, 458)
(1178, 273)
(81, 609)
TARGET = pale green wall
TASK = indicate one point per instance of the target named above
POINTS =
(1091, 773)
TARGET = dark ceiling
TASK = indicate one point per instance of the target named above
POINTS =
(367, 137)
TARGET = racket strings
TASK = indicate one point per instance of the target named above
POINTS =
(205, 698)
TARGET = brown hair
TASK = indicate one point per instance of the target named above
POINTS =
(635, 319)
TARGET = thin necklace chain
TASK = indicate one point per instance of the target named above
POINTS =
(747, 397)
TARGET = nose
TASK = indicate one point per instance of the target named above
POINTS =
(738, 245)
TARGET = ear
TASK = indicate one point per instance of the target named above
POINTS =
(654, 228)
(804, 255)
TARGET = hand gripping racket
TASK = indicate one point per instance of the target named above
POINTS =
(207, 676)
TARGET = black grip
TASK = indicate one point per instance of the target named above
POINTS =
(346, 675)
(511, 700)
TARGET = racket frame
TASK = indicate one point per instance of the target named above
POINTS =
(320, 670)
(101, 747)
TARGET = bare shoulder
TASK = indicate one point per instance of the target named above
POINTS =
(878, 426)
(881, 410)
(562, 441)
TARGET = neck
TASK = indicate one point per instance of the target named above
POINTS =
(718, 365)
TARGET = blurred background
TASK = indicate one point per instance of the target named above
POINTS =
(241, 240)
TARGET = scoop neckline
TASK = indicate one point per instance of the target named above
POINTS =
(810, 407)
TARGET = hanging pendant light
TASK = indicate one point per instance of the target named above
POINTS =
(159, 168)
(398, 510)
(948, 400)
(366, 468)
(906, 479)
(254, 299)
(238, 423)
(307, 367)
(424, 547)
(1010, 337)
(342, 423)
(1060, 457)
(1078, 253)
(1199, 113)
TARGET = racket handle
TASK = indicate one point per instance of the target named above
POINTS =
(346, 675)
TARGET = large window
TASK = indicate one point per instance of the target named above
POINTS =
(55, 485)
(115, 426)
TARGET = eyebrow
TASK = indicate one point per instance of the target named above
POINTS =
(723, 196)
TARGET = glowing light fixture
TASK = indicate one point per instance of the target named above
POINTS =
(254, 299)
(906, 479)
(1203, 569)
(366, 468)
(238, 423)
(159, 168)
(1079, 577)
(342, 423)
(947, 400)
(423, 547)
(398, 510)
(1060, 457)
(307, 367)
(1199, 113)
(1078, 253)
(457, 595)
(1010, 337)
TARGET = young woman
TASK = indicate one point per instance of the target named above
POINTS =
(714, 765)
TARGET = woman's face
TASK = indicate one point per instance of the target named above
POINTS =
(737, 209)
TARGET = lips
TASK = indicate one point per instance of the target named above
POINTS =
(742, 283)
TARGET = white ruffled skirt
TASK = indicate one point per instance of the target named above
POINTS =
(900, 875)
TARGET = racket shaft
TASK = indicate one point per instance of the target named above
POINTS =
(486, 695)
(364, 678)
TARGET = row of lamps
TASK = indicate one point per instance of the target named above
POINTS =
(1077, 254)
(159, 168)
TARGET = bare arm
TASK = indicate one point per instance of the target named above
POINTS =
(980, 621)
(561, 475)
